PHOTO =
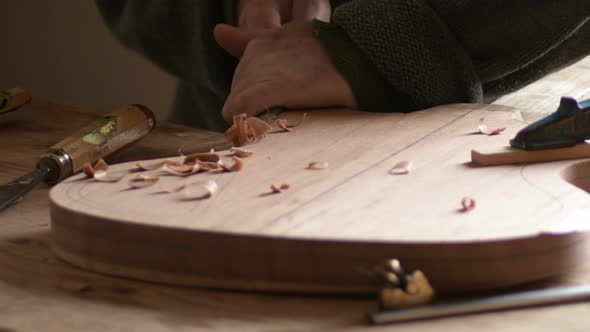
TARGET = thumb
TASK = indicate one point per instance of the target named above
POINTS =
(232, 39)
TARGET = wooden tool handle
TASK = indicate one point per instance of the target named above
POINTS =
(12, 99)
(108, 134)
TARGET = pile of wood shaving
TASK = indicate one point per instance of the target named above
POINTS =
(246, 130)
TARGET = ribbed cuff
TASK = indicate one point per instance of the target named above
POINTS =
(371, 90)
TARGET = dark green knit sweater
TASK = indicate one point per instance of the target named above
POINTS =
(398, 55)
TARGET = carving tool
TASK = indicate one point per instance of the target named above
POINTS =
(12, 99)
(107, 134)
(560, 135)
(494, 303)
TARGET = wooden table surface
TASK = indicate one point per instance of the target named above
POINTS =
(38, 292)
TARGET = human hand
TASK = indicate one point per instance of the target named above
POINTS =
(265, 14)
(286, 67)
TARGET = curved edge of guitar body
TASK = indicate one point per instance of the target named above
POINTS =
(334, 225)
(254, 263)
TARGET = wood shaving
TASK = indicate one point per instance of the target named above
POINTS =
(141, 167)
(200, 190)
(237, 165)
(467, 204)
(205, 157)
(282, 123)
(277, 190)
(105, 176)
(89, 170)
(300, 121)
(315, 165)
(285, 126)
(208, 166)
(143, 181)
(241, 153)
(181, 170)
(246, 131)
(484, 129)
(403, 167)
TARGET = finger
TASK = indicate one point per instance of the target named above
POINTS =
(260, 15)
(232, 39)
(253, 100)
(307, 10)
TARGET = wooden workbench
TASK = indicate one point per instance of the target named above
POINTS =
(38, 292)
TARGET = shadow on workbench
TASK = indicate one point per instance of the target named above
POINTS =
(32, 270)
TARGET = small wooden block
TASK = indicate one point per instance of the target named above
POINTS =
(508, 155)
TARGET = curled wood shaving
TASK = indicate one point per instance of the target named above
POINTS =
(105, 176)
(300, 121)
(237, 165)
(200, 190)
(141, 167)
(483, 129)
(181, 169)
(318, 165)
(241, 153)
(247, 130)
(467, 204)
(278, 189)
(142, 181)
(403, 167)
(205, 157)
(89, 170)
(283, 124)
(208, 165)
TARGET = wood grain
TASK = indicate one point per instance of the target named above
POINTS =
(316, 236)
(30, 273)
(508, 155)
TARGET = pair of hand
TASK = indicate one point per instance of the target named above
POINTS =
(281, 62)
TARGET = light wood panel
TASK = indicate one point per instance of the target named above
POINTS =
(31, 299)
(316, 236)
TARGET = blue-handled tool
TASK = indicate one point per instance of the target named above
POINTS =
(558, 136)
(567, 126)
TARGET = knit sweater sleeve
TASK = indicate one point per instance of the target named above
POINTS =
(446, 51)
(176, 35)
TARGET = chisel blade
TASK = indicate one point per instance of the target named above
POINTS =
(12, 191)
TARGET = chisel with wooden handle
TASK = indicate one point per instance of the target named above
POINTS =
(12, 99)
(102, 137)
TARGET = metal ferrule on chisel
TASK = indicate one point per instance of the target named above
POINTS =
(58, 165)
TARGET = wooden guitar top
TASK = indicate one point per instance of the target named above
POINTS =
(330, 225)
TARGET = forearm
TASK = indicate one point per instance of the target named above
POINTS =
(444, 51)
(413, 50)
(176, 35)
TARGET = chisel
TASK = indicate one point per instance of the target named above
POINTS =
(12, 99)
(526, 299)
(100, 138)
